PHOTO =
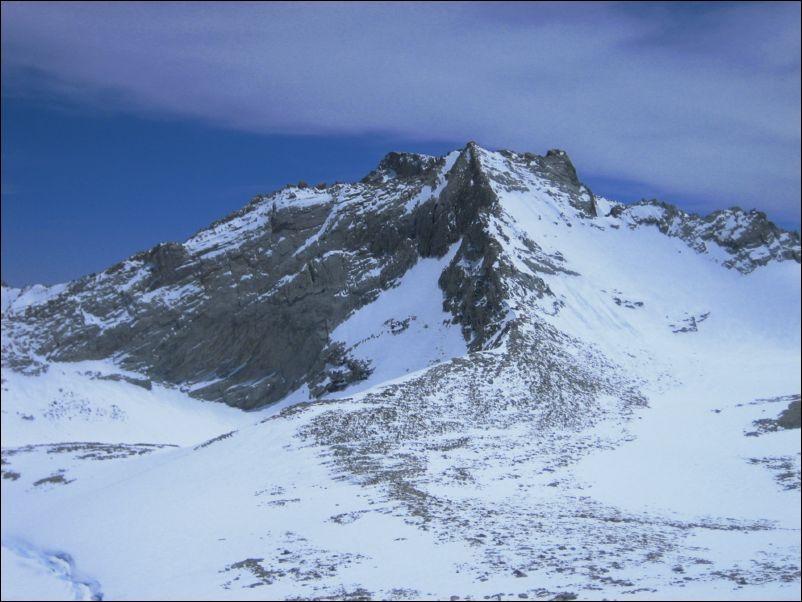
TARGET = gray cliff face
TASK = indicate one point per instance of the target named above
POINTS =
(243, 312)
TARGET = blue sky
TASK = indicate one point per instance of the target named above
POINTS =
(128, 124)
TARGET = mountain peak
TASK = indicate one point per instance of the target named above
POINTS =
(481, 358)
(560, 166)
(292, 266)
(400, 165)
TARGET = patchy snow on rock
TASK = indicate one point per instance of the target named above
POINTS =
(170, 295)
(16, 300)
(7, 296)
(428, 192)
(646, 213)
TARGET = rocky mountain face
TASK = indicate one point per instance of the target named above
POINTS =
(747, 239)
(243, 312)
(469, 376)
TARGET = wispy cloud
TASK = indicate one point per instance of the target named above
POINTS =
(696, 100)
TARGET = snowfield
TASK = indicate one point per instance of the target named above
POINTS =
(623, 437)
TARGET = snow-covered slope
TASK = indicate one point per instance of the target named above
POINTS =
(96, 401)
(490, 383)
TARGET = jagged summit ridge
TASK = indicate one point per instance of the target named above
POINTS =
(403, 165)
(747, 238)
(261, 304)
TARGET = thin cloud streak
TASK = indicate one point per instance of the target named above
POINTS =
(698, 101)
